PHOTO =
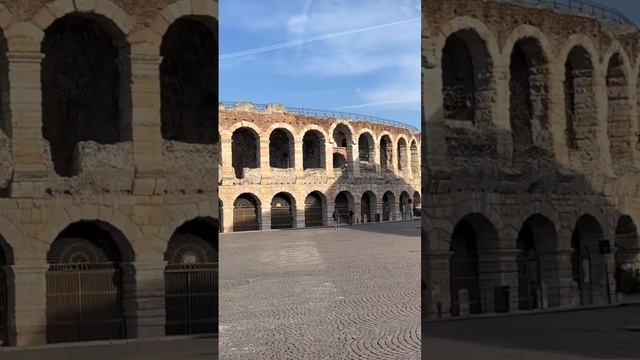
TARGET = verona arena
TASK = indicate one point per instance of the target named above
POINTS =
(290, 168)
(108, 192)
(531, 166)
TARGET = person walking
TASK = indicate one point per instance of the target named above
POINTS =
(336, 218)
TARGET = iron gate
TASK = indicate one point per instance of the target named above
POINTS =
(281, 214)
(313, 216)
(343, 209)
(245, 216)
(191, 296)
(582, 275)
(365, 210)
(84, 302)
(529, 281)
(4, 308)
(463, 274)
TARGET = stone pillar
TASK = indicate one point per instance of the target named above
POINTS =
(298, 217)
(265, 168)
(227, 218)
(500, 112)
(435, 284)
(601, 98)
(354, 159)
(434, 150)
(556, 115)
(228, 172)
(298, 159)
(328, 163)
(30, 302)
(150, 300)
(25, 102)
(265, 212)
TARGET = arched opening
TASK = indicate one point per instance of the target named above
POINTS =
(366, 147)
(388, 201)
(537, 269)
(85, 95)
(386, 153)
(404, 205)
(627, 256)
(189, 81)
(344, 205)
(191, 279)
(341, 136)
(417, 204)
(619, 113)
(403, 161)
(470, 275)
(339, 161)
(528, 98)
(589, 267)
(314, 209)
(415, 160)
(246, 211)
(368, 207)
(245, 151)
(85, 284)
(580, 105)
(282, 211)
(466, 78)
(313, 150)
(281, 149)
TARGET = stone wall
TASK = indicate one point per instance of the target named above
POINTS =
(557, 159)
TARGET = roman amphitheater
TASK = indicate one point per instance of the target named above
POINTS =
(531, 157)
(285, 167)
(108, 196)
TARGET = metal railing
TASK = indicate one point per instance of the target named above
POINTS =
(331, 114)
(585, 7)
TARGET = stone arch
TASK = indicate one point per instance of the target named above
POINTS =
(283, 211)
(344, 203)
(247, 213)
(627, 253)
(204, 10)
(94, 255)
(317, 128)
(581, 117)
(589, 266)
(528, 102)
(313, 149)
(368, 207)
(402, 154)
(619, 108)
(281, 148)
(475, 25)
(388, 206)
(415, 158)
(467, 77)
(189, 80)
(385, 144)
(245, 150)
(347, 128)
(417, 203)
(470, 272)
(191, 281)
(242, 124)
(85, 93)
(366, 146)
(404, 205)
(315, 205)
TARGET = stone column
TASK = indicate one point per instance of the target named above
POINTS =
(265, 168)
(25, 102)
(354, 159)
(150, 298)
(30, 302)
(227, 217)
(298, 159)
(434, 150)
(299, 217)
(328, 163)
(556, 115)
(228, 173)
(500, 112)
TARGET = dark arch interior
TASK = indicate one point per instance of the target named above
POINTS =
(245, 213)
(415, 164)
(84, 241)
(387, 205)
(365, 147)
(464, 264)
(281, 211)
(81, 89)
(368, 207)
(627, 253)
(579, 96)
(281, 149)
(244, 150)
(588, 265)
(340, 136)
(189, 83)
(313, 210)
(196, 237)
(402, 154)
(386, 153)
(619, 116)
(313, 150)
(405, 205)
(343, 206)
(339, 161)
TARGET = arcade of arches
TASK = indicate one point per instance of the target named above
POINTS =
(533, 159)
(283, 170)
(108, 215)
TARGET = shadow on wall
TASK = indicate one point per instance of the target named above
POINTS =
(521, 236)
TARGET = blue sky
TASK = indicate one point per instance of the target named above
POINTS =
(360, 56)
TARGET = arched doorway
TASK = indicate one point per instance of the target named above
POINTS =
(405, 206)
(313, 210)
(417, 204)
(589, 267)
(85, 285)
(281, 149)
(313, 150)
(386, 153)
(368, 207)
(469, 278)
(191, 279)
(344, 204)
(246, 211)
(282, 211)
(627, 256)
(245, 151)
(388, 199)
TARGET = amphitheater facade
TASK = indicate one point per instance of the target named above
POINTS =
(108, 194)
(531, 156)
(290, 168)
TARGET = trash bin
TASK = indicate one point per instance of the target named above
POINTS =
(501, 299)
